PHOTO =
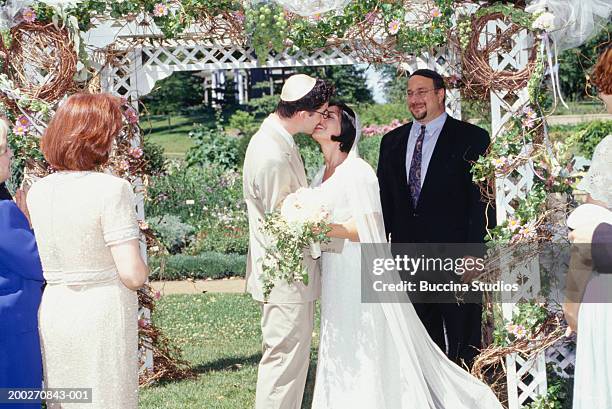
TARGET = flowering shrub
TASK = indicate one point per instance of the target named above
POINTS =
(173, 233)
(373, 130)
(208, 198)
(214, 147)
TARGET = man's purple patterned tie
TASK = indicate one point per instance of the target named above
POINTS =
(414, 177)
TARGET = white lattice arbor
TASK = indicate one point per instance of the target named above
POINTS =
(526, 376)
(138, 64)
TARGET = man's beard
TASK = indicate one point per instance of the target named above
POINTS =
(418, 117)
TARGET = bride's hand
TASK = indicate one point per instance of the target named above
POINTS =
(347, 230)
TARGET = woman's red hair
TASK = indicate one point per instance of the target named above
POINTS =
(80, 135)
(602, 73)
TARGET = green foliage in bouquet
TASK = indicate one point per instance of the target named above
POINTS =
(283, 259)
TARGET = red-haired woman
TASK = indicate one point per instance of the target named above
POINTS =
(88, 238)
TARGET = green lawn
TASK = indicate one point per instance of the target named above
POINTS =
(171, 131)
(593, 106)
(220, 337)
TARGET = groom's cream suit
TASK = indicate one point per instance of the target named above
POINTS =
(272, 170)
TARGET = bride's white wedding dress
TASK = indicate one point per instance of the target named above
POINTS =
(377, 355)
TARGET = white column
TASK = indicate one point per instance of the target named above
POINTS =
(240, 85)
(213, 87)
(135, 73)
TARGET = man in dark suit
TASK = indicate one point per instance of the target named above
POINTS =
(428, 196)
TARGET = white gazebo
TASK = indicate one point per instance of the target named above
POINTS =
(131, 56)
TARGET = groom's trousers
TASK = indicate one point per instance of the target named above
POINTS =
(287, 334)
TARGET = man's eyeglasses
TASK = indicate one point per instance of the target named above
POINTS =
(325, 114)
(420, 93)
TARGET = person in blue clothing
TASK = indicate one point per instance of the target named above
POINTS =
(21, 282)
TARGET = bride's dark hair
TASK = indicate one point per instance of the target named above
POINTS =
(347, 129)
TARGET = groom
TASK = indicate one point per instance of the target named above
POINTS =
(428, 196)
(272, 170)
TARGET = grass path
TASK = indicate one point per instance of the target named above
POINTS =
(220, 337)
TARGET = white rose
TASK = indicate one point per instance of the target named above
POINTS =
(545, 21)
(292, 210)
(305, 205)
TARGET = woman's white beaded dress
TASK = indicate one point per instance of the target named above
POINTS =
(88, 318)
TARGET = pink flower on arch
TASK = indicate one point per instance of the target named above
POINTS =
(371, 17)
(23, 121)
(131, 115)
(124, 165)
(20, 130)
(136, 152)
(394, 27)
(520, 331)
(499, 163)
(530, 116)
(435, 12)
(238, 15)
(528, 231)
(160, 10)
(28, 15)
(514, 224)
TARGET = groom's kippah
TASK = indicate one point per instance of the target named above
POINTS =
(297, 86)
(424, 72)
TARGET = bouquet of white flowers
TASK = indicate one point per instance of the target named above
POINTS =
(302, 223)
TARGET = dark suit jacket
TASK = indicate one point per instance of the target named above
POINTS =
(4, 193)
(602, 248)
(450, 207)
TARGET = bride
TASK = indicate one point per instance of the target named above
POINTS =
(372, 355)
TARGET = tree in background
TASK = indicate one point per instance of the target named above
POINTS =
(395, 83)
(172, 95)
(350, 81)
(575, 64)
